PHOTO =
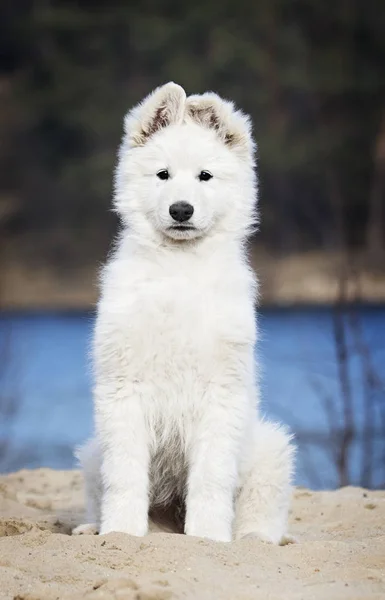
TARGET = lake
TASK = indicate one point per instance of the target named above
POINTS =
(330, 394)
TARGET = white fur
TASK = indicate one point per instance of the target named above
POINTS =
(176, 394)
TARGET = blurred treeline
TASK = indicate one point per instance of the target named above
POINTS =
(310, 72)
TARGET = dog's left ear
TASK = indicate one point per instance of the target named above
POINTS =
(231, 125)
(161, 108)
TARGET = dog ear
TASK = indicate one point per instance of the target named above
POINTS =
(161, 108)
(231, 125)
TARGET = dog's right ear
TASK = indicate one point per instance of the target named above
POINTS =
(161, 108)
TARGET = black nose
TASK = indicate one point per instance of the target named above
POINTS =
(181, 211)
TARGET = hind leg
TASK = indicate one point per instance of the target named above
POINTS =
(263, 500)
(90, 461)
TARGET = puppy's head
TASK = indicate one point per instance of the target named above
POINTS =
(186, 167)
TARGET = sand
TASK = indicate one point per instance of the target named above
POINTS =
(340, 554)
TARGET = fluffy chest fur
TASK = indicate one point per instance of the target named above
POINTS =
(173, 325)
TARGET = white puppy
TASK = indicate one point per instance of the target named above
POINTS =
(176, 394)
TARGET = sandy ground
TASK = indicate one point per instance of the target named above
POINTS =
(340, 554)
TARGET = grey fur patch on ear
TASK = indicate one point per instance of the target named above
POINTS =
(163, 107)
(231, 125)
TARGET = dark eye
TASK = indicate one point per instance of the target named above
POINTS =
(205, 176)
(163, 174)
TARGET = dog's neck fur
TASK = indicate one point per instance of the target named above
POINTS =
(217, 243)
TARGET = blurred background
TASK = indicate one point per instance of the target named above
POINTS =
(312, 75)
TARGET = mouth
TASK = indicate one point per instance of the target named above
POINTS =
(182, 228)
(182, 232)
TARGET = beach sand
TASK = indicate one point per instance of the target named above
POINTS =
(340, 552)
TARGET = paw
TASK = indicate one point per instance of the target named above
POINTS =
(210, 534)
(86, 529)
(124, 513)
(212, 529)
(118, 526)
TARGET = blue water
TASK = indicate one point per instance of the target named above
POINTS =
(45, 382)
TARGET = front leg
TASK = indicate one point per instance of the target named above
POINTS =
(125, 463)
(213, 468)
(263, 500)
